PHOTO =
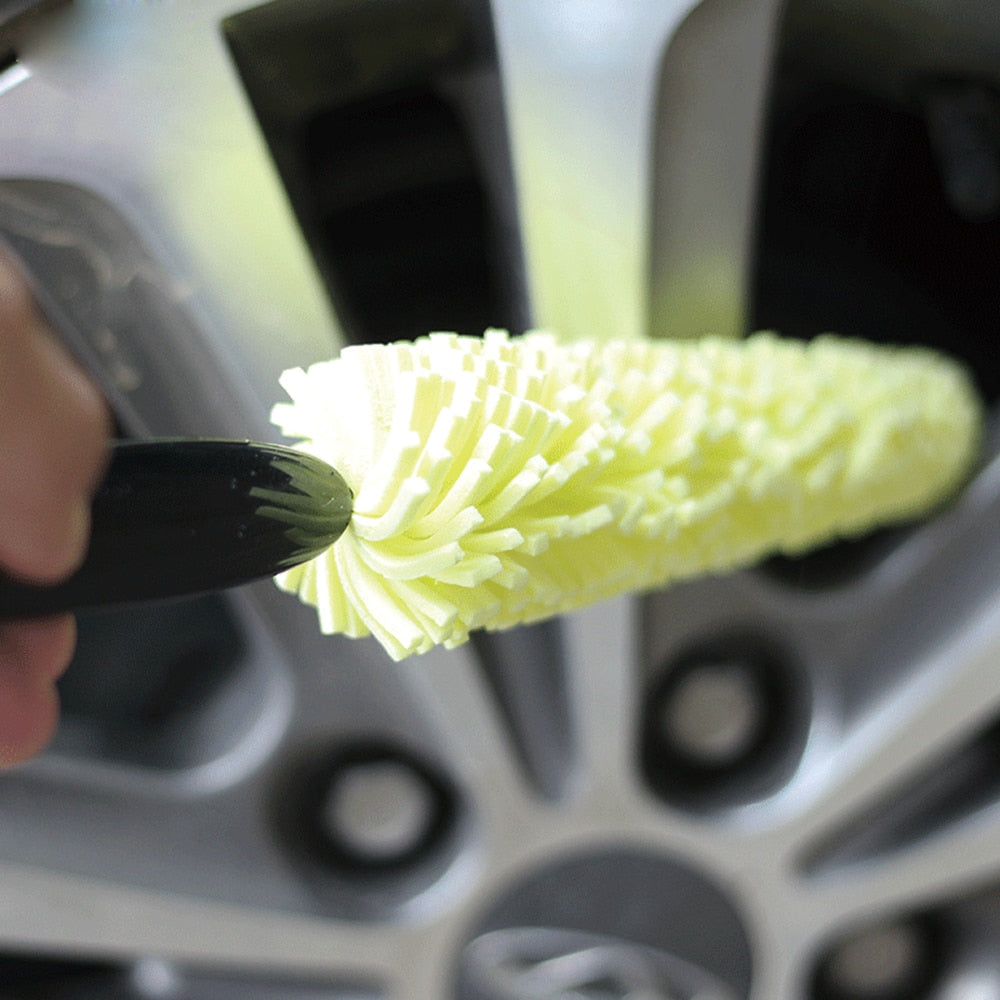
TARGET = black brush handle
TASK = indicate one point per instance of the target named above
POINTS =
(175, 517)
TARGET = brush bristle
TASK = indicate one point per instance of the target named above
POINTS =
(503, 480)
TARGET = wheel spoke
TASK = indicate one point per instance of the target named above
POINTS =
(48, 910)
(601, 645)
(470, 725)
(940, 869)
(588, 252)
(951, 698)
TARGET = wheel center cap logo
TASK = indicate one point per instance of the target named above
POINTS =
(548, 963)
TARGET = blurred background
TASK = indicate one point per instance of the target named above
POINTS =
(780, 785)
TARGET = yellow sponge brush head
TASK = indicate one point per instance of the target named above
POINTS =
(501, 480)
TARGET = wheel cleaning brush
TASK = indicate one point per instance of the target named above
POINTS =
(501, 480)
(487, 482)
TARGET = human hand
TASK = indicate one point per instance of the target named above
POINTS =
(54, 433)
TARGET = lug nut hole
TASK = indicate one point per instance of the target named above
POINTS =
(379, 811)
(723, 722)
(714, 714)
(362, 810)
(893, 960)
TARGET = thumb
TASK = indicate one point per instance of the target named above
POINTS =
(54, 430)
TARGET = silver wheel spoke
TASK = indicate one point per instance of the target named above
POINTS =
(479, 747)
(940, 869)
(588, 252)
(51, 911)
(949, 698)
(602, 649)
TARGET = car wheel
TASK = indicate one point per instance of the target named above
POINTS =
(782, 783)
